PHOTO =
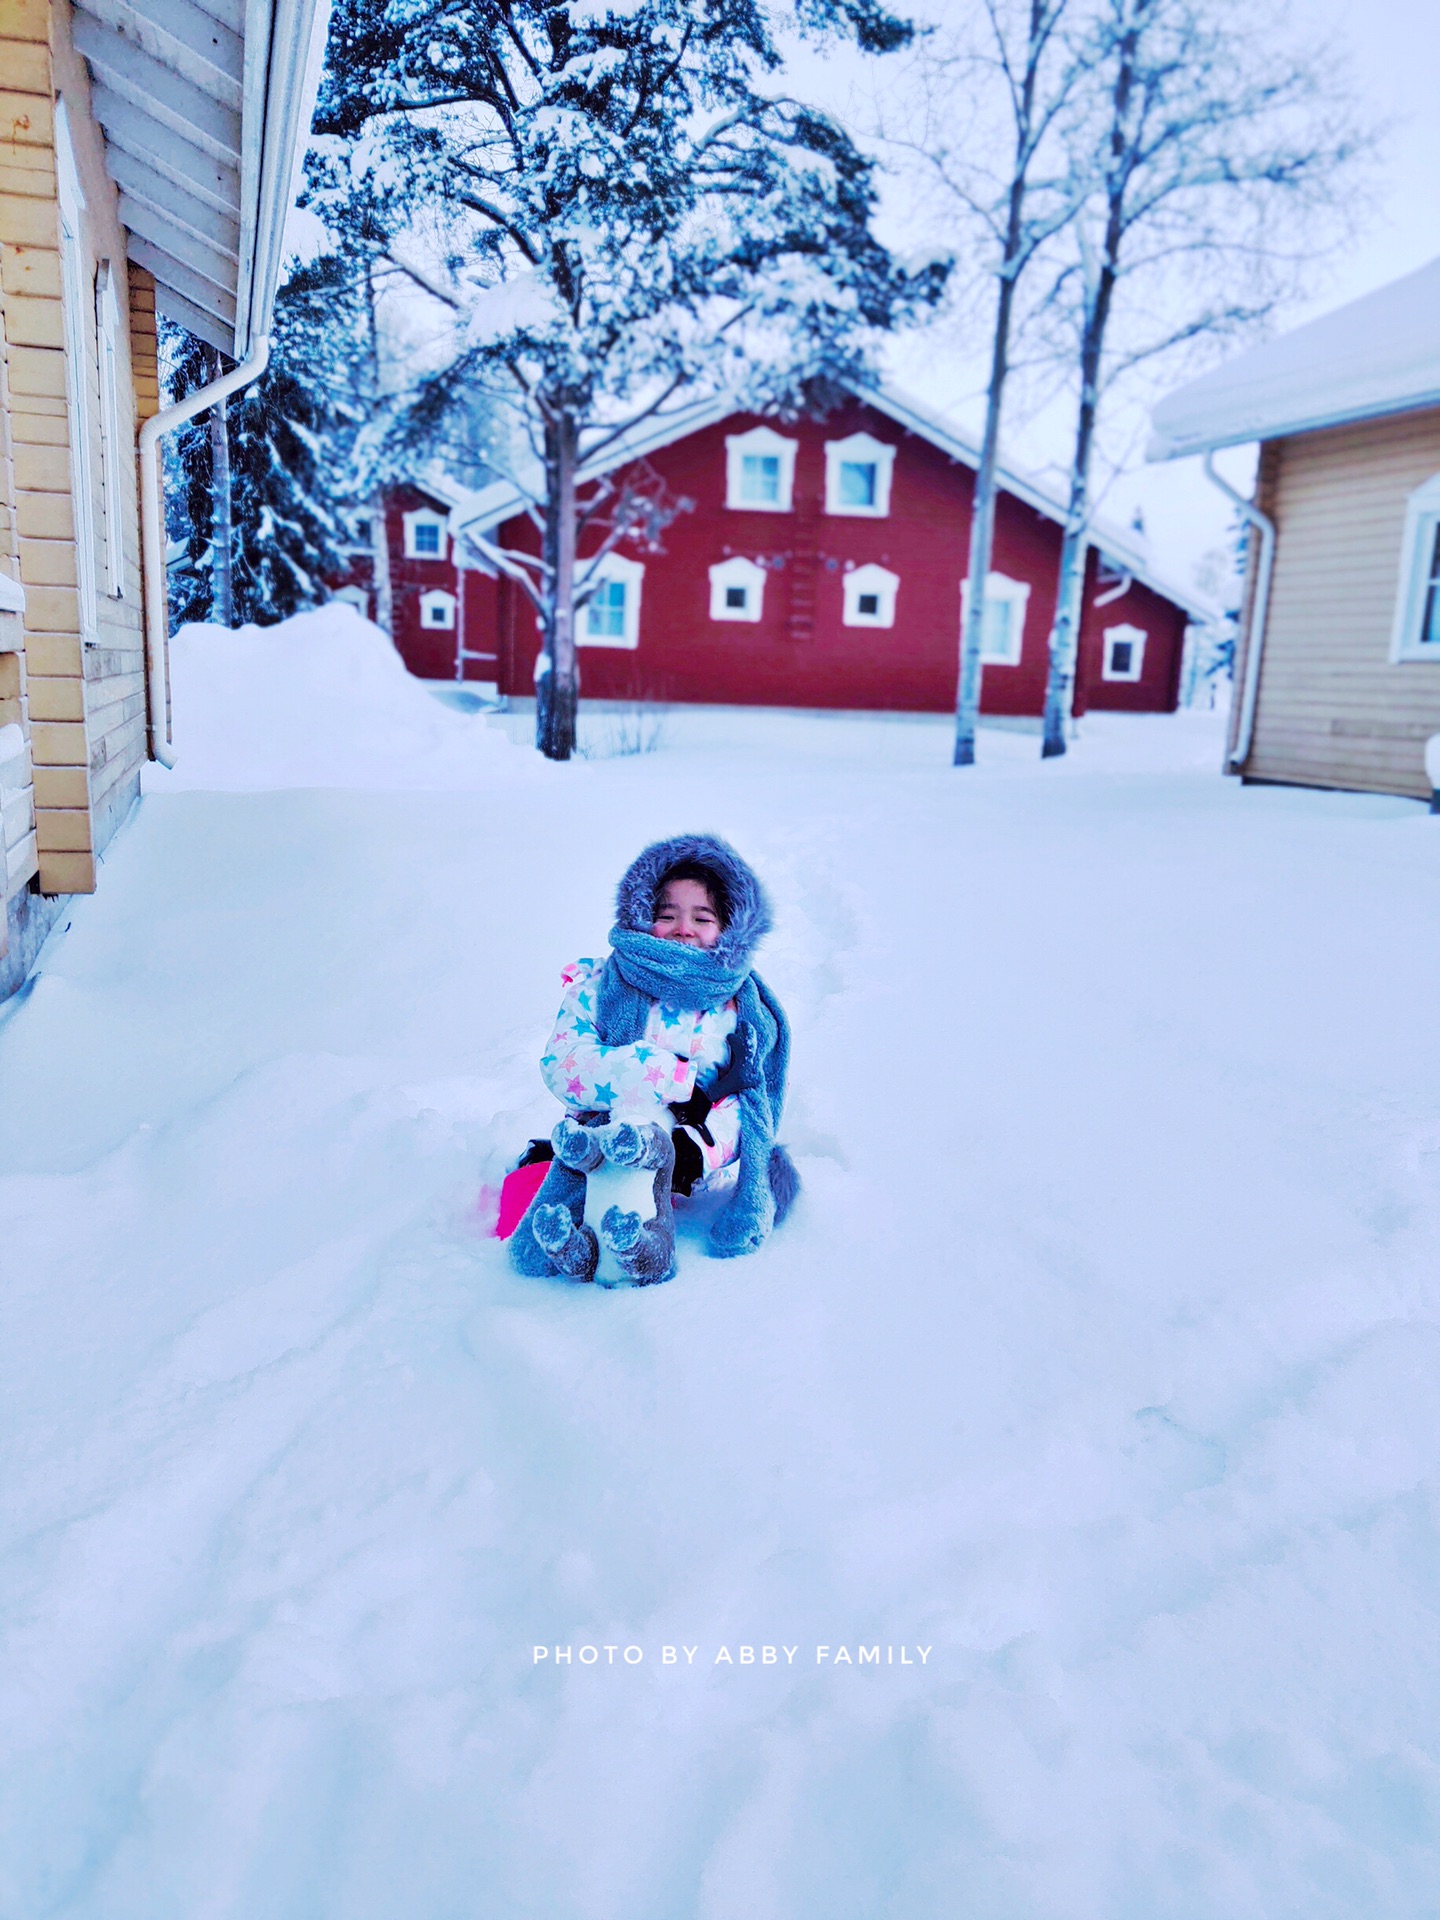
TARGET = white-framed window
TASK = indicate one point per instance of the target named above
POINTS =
(78, 307)
(426, 535)
(437, 608)
(1416, 633)
(870, 596)
(760, 471)
(113, 449)
(737, 590)
(611, 615)
(1002, 636)
(355, 597)
(1124, 653)
(858, 472)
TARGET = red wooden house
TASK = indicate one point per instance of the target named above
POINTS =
(819, 564)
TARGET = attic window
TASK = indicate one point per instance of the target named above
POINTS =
(737, 590)
(1124, 653)
(425, 535)
(437, 609)
(870, 594)
(1416, 634)
(759, 471)
(857, 477)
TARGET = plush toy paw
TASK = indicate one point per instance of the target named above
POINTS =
(576, 1146)
(626, 1145)
(573, 1250)
(552, 1228)
(621, 1231)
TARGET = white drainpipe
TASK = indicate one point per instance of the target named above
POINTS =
(1259, 608)
(152, 536)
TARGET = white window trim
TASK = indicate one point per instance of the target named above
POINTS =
(631, 573)
(74, 305)
(737, 572)
(1422, 517)
(999, 586)
(759, 440)
(355, 597)
(863, 449)
(1137, 637)
(113, 460)
(435, 598)
(870, 579)
(426, 517)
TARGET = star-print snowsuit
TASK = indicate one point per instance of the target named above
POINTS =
(677, 1052)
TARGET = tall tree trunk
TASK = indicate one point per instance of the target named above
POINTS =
(982, 530)
(1099, 296)
(557, 682)
(222, 597)
(380, 566)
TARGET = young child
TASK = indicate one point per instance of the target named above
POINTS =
(669, 1055)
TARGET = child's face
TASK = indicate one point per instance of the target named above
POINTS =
(686, 912)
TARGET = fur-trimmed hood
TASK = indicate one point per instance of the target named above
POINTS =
(747, 907)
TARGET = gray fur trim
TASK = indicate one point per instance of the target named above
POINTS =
(745, 898)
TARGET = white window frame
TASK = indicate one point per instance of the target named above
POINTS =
(437, 600)
(870, 579)
(76, 308)
(1137, 637)
(113, 447)
(737, 572)
(426, 517)
(1422, 520)
(759, 441)
(863, 450)
(631, 574)
(355, 597)
(1016, 593)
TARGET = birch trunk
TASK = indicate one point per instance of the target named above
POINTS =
(982, 527)
(380, 566)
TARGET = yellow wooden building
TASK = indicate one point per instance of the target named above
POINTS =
(148, 153)
(1338, 668)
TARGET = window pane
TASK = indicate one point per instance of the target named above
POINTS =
(1122, 654)
(760, 476)
(736, 597)
(997, 631)
(427, 537)
(857, 483)
(1430, 625)
(607, 610)
(868, 603)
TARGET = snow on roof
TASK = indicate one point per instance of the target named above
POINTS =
(1378, 355)
(500, 500)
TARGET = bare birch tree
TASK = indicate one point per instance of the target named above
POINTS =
(1209, 150)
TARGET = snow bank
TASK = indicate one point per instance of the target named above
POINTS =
(321, 700)
(1098, 1359)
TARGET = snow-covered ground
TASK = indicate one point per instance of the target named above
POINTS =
(1099, 1358)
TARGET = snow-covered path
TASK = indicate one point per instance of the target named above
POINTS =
(1100, 1361)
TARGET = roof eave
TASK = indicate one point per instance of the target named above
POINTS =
(1163, 446)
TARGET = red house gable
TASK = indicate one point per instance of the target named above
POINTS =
(817, 564)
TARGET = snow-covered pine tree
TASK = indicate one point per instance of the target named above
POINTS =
(187, 364)
(291, 437)
(619, 210)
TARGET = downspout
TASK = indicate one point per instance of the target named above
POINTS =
(152, 536)
(1259, 608)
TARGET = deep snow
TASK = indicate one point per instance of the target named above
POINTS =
(1099, 1358)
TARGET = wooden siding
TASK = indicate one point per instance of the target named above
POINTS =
(1334, 709)
(84, 692)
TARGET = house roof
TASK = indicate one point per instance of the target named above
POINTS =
(487, 506)
(204, 105)
(1378, 355)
